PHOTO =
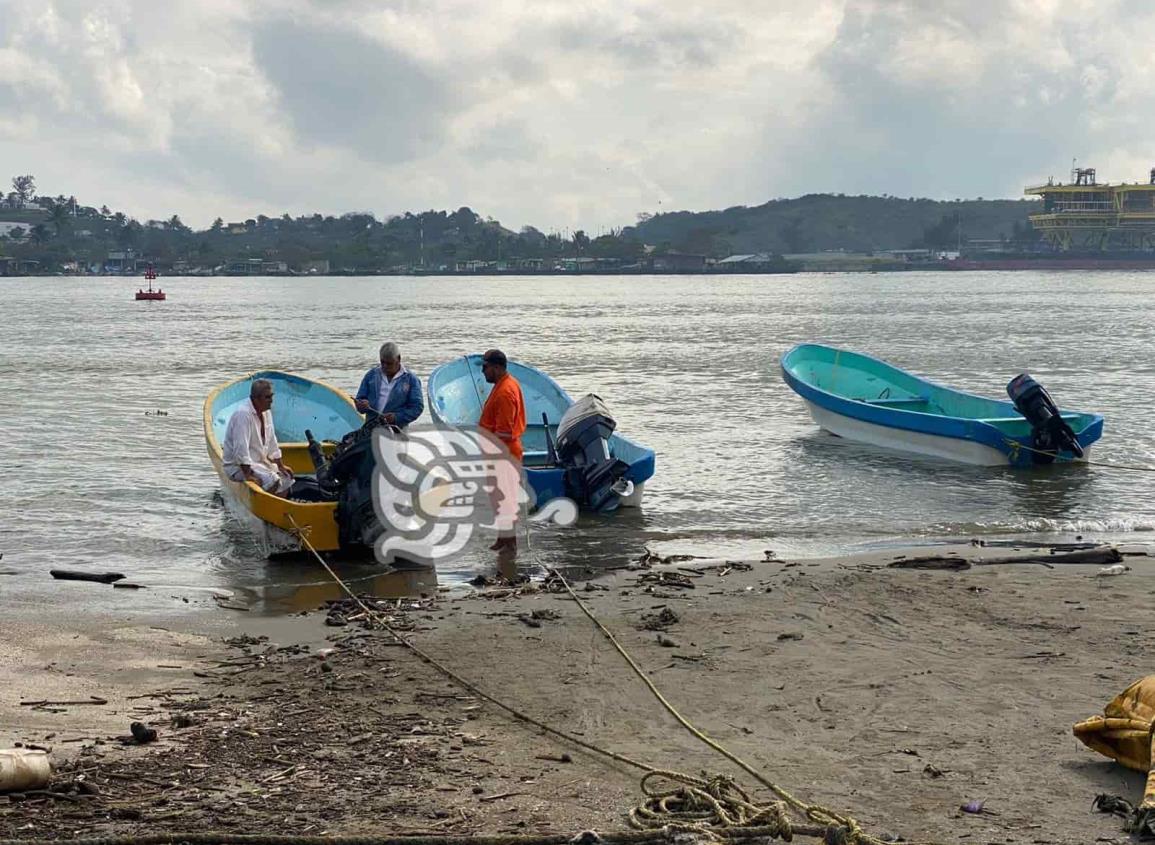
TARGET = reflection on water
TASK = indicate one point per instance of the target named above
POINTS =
(294, 588)
(688, 366)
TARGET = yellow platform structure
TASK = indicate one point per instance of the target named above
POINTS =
(1086, 215)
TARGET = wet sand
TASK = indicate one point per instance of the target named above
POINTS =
(893, 695)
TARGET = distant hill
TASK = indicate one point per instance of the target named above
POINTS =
(817, 222)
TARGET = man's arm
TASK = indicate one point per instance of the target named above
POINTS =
(274, 450)
(235, 449)
(504, 415)
(235, 446)
(362, 397)
(414, 404)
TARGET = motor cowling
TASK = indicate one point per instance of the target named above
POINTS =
(594, 477)
(1050, 433)
(347, 478)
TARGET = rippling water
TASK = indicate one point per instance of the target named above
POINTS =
(689, 365)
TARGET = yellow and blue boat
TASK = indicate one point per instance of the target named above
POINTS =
(300, 404)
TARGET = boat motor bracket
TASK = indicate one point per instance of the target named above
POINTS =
(1050, 433)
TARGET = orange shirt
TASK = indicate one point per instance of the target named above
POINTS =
(504, 413)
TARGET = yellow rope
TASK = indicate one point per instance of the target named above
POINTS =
(728, 805)
(814, 812)
(1016, 445)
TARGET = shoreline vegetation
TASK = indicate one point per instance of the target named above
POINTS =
(46, 235)
(897, 688)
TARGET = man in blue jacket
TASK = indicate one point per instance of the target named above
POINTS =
(391, 390)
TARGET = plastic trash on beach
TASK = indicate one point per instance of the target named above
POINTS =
(22, 769)
(1113, 569)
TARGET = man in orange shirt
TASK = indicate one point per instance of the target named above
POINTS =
(504, 417)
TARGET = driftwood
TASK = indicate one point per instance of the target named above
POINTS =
(77, 575)
(931, 562)
(1098, 556)
(1101, 556)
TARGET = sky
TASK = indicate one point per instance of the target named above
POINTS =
(568, 114)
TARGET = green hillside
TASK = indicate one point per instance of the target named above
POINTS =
(818, 222)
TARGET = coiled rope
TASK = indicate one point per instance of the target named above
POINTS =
(626, 837)
(706, 806)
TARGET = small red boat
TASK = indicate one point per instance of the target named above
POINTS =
(150, 294)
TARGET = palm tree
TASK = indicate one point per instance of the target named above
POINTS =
(38, 234)
(59, 217)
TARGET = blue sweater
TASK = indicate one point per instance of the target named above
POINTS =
(405, 402)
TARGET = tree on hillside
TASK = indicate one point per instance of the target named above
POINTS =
(38, 234)
(58, 216)
(946, 234)
(25, 187)
(794, 237)
(218, 224)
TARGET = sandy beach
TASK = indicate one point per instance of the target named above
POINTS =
(892, 695)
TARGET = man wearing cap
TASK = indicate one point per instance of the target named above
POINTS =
(391, 390)
(504, 417)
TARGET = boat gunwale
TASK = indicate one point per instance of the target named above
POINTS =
(940, 425)
(641, 469)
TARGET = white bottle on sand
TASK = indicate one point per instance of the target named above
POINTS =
(23, 768)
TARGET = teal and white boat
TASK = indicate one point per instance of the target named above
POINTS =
(867, 400)
(571, 448)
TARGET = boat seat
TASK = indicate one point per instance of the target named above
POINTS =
(536, 459)
(898, 401)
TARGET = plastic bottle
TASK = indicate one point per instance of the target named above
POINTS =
(1114, 569)
(22, 769)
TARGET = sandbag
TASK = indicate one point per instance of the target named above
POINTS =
(1124, 732)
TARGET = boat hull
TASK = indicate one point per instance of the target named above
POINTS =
(867, 400)
(276, 523)
(457, 392)
(946, 448)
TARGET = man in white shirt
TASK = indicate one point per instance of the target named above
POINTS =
(251, 451)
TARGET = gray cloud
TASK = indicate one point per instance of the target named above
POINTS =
(339, 88)
(559, 114)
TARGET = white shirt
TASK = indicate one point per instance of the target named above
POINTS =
(243, 443)
(385, 386)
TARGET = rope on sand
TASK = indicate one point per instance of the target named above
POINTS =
(712, 807)
(670, 834)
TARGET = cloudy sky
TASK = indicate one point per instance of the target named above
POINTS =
(564, 113)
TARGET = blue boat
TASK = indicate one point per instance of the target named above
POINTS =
(867, 400)
(571, 449)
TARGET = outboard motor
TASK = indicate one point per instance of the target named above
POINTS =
(347, 478)
(1050, 434)
(593, 476)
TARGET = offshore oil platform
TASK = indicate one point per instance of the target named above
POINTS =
(1086, 216)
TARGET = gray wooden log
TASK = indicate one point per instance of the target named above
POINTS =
(77, 575)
